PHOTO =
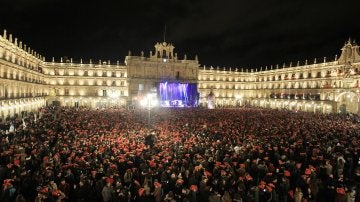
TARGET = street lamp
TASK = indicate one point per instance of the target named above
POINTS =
(149, 102)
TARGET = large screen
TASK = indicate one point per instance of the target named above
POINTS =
(178, 94)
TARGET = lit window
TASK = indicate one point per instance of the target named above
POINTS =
(141, 86)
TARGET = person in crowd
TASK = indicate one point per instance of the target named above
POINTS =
(191, 154)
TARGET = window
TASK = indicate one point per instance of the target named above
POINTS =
(122, 74)
(328, 73)
(164, 54)
(121, 92)
(66, 91)
(113, 83)
(104, 74)
(141, 86)
(113, 74)
(122, 83)
(177, 75)
(104, 93)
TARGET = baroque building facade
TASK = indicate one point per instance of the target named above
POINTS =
(327, 87)
(28, 81)
(145, 73)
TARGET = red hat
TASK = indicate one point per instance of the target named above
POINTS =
(271, 185)
(109, 180)
(179, 181)
(17, 162)
(193, 188)
(248, 177)
(8, 182)
(269, 188)
(152, 164)
(46, 159)
(141, 191)
(207, 173)
(56, 193)
(262, 186)
(340, 191)
(44, 190)
(113, 166)
(287, 173)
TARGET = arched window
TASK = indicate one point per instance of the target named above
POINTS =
(318, 75)
(164, 54)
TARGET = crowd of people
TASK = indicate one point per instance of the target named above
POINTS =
(191, 154)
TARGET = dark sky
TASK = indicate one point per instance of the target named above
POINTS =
(230, 33)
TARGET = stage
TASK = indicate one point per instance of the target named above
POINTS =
(178, 94)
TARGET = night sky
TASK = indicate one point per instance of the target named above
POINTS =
(227, 33)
